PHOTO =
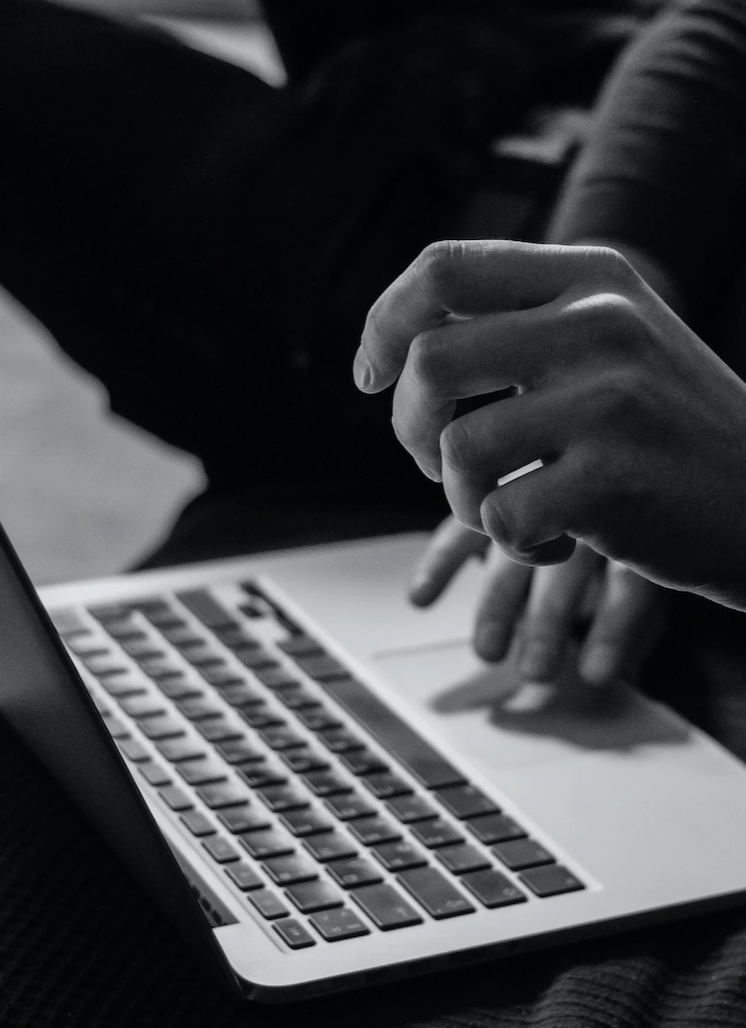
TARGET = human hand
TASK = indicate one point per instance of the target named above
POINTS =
(538, 610)
(640, 427)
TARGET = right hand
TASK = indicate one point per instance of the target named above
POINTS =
(535, 611)
(640, 427)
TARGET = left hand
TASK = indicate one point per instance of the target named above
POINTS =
(538, 610)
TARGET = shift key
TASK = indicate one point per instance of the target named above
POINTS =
(435, 893)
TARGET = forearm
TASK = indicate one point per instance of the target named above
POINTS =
(662, 176)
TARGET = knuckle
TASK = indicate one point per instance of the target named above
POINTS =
(437, 259)
(458, 447)
(426, 357)
(611, 264)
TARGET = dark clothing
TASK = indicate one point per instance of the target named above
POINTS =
(208, 247)
(665, 168)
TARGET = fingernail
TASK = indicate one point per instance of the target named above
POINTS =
(422, 591)
(489, 641)
(531, 697)
(361, 370)
(537, 661)
(599, 666)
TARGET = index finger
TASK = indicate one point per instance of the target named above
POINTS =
(464, 278)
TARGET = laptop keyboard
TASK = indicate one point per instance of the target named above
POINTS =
(330, 816)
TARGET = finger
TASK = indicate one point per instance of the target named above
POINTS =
(492, 443)
(447, 550)
(474, 358)
(466, 278)
(529, 516)
(623, 628)
(553, 603)
(501, 605)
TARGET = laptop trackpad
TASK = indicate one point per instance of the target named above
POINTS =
(465, 701)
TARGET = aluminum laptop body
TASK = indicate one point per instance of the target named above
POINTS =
(342, 799)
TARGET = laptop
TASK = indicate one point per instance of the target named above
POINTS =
(322, 787)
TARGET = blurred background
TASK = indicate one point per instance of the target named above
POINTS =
(81, 493)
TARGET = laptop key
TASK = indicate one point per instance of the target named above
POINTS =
(299, 645)
(349, 872)
(520, 853)
(239, 693)
(326, 783)
(141, 706)
(154, 773)
(289, 869)
(140, 647)
(339, 740)
(411, 808)
(235, 751)
(462, 858)
(260, 716)
(492, 888)
(320, 666)
(296, 697)
(180, 749)
(123, 684)
(270, 843)
(304, 759)
(200, 772)
(436, 833)
(262, 774)
(161, 726)
(133, 750)
(198, 708)
(398, 856)
(495, 828)
(312, 896)
(281, 737)
(117, 729)
(178, 687)
(551, 880)
(244, 876)
(306, 822)
(104, 664)
(386, 907)
(244, 819)
(335, 925)
(205, 607)
(348, 806)
(283, 797)
(330, 846)
(292, 932)
(275, 677)
(175, 798)
(255, 656)
(317, 718)
(465, 801)
(197, 823)
(217, 730)
(160, 667)
(435, 893)
(222, 794)
(363, 762)
(269, 906)
(384, 785)
(373, 830)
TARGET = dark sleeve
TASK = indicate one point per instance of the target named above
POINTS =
(665, 167)
(112, 137)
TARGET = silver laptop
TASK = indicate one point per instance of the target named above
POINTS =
(322, 788)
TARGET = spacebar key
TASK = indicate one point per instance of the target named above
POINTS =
(418, 756)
